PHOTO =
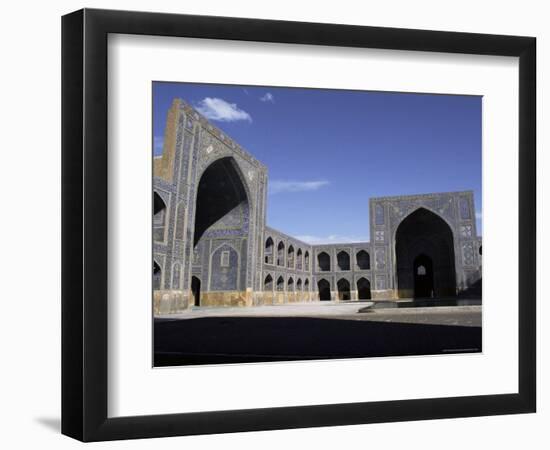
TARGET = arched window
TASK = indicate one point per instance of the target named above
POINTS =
(268, 283)
(281, 254)
(268, 251)
(280, 284)
(306, 285)
(323, 262)
(343, 289)
(290, 258)
(290, 285)
(306, 261)
(159, 217)
(299, 259)
(363, 260)
(157, 276)
(342, 258)
(299, 284)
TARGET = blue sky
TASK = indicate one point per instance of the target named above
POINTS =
(329, 151)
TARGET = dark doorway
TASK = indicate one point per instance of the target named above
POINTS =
(343, 289)
(363, 289)
(425, 234)
(423, 277)
(324, 289)
(196, 290)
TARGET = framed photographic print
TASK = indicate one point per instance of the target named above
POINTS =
(314, 224)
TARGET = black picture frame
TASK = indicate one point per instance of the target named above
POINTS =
(84, 224)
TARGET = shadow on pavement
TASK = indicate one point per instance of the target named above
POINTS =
(217, 340)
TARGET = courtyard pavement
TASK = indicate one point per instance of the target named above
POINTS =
(313, 331)
(360, 311)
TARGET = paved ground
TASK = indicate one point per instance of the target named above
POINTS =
(313, 331)
(444, 315)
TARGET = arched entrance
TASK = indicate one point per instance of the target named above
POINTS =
(363, 289)
(324, 289)
(221, 208)
(425, 258)
(343, 289)
(196, 290)
(423, 277)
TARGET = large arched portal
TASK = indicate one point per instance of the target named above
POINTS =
(222, 209)
(425, 258)
(221, 199)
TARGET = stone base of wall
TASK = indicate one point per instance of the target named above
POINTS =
(173, 302)
(226, 298)
(281, 298)
(169, 302)
(386, 294)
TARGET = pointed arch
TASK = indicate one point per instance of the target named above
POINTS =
(280, 283)
(290, 284)
(221, 191)
(342, 260)
(281, 254)
(363, 289)
(424, 232)
(290, 257)
(363, 260)
(268, 253)
(268, 283)
(344, 291)
(323, 262)
(324, 289)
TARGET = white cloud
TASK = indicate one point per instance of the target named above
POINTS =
(332, 239)
(218, 109)
(158, 144)
(267, 97)
(278, 186)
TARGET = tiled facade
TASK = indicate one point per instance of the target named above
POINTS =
(211, 245)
